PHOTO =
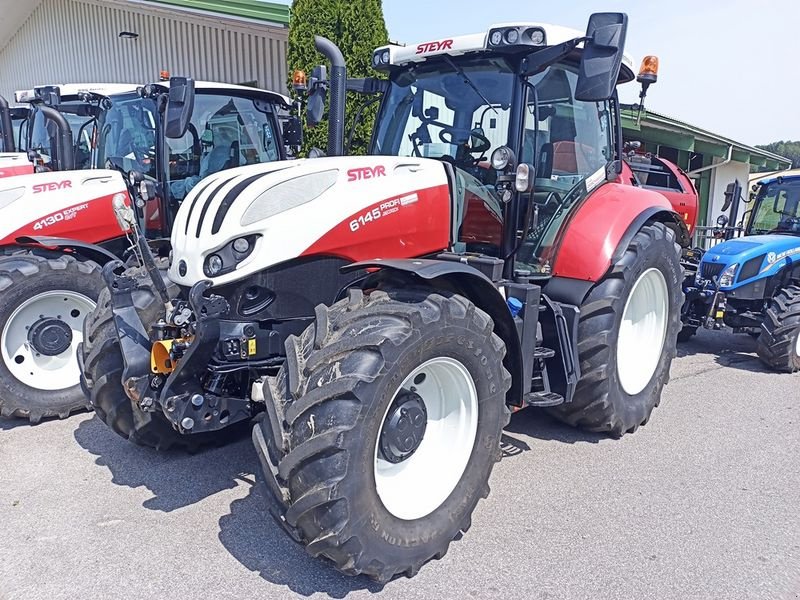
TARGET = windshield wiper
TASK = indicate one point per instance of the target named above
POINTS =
(469, 82)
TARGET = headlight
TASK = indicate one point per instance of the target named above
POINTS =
(512, 36)
(726, 277)
(537, 36)
(241, 245)
(213, 265)
(523, 182)
(144, 192)
(502, 157)
(496, 38)
(722, 220)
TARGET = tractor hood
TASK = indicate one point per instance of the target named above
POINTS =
(355, 208)
(739, 251)
(756, 256)
(69, 204)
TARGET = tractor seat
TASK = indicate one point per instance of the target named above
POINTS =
(569, 157)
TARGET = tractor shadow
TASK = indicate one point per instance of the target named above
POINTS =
(175, 478)
(252, 537)
(726, 349)
(536, 423)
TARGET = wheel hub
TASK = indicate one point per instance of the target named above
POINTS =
(404, 427)
(50, 336)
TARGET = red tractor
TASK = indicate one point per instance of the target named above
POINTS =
(383, 315)
(59, 227)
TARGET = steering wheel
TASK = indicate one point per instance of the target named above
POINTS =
(444, 134)
(789, 224)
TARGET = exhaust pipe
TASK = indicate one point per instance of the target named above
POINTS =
(337, 94)
(6, 127)
(64, 144)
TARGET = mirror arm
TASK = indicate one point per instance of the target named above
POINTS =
(536, 61)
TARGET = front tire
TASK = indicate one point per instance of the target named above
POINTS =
(779, 342)
(102, 362)
(44, 303)
(326, 440)
(627, 336)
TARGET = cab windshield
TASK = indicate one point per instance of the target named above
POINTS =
(224, 132)
(42, 136)
(126, 135)
(777, 209)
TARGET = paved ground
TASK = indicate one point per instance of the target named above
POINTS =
(701, 503)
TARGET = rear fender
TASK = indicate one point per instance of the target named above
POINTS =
(466, 281)
(605, 224)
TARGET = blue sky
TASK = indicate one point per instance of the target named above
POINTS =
(732, 67)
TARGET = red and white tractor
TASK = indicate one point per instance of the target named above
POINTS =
(59, 227)
(383, 315)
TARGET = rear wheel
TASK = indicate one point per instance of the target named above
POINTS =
(382, 428)
(627, 333)
(102, 365)
(45, 301)
(779, 342)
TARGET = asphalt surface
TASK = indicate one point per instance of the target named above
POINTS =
(701, 503)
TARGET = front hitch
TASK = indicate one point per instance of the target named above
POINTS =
(185, 402)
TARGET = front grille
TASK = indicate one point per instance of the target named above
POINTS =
(711, 270)
(751, 268)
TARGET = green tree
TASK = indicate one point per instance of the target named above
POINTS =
(357, 27)
(790, 150)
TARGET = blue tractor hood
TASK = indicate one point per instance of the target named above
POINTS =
(757, 256)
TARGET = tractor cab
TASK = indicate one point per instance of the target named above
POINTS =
(513, 112)
(220, 127)
(776, 208)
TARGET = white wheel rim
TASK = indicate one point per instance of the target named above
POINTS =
(418, 485)
(797, 344)
(642, 332)
(37, 370)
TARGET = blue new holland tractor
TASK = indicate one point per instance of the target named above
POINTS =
(752, 283)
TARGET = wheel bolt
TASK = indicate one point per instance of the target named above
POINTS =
(197, 399)
(187, 423)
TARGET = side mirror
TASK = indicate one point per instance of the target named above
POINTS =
(602, 56)
(318, 93)
(180, 105)
(293, 132)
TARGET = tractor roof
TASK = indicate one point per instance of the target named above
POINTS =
(783, 178)
(72, 91)
(528, 35)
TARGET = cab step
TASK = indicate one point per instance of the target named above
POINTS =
(542, 353)
(543, 399)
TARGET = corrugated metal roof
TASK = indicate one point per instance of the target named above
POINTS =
(651, 118)
(271, 12)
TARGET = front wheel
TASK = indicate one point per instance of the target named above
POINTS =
(382, 428)
(44, 303)
(627, 336)
(779, 342)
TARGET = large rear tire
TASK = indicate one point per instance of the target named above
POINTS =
(335, 405)
(44, 303)
(779, 342)
(627, 335)
(103, 365)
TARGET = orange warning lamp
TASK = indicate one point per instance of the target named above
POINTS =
(299, 80)
(163, 75)
(648, 72)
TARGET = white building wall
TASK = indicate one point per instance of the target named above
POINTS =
(720, 178)
(76, 41)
